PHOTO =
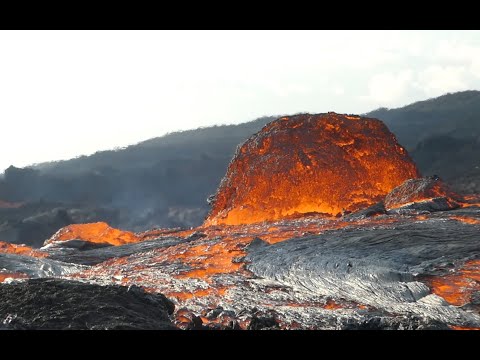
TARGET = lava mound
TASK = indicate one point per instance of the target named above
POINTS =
(325, 163)
(99, 233)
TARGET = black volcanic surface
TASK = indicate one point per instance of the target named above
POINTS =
(68, 305)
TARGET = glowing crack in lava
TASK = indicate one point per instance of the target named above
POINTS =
(99, 233)
(325, 163)
(458, 287)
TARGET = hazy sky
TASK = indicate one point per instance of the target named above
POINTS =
(67, 93)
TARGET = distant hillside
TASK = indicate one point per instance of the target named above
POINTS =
(442, 135)
(210, 142)
(456, 115)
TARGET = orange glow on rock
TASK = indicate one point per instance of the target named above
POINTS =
(471, 200)
(332, 305)
(466, 220)
(96, 233)
(197, 293)
(326, 163)
(458, 287)
(220, 250)
(9, 275)
(7, 248)
(463, 328)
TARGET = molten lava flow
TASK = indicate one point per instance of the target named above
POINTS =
(458, 287)
(9, 275)
(332, 305)
(464, 328)
(7, 248)
(327, 163)
(471, 200)
(420, 190)
(466, 220)
(219, 250)
(96, 233)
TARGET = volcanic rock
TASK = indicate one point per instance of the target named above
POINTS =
(429, 194)
(34, 267)
(62, 305)
(101, 254)
(324, 163)
(81, 245)
(260, 323)
(374, 210)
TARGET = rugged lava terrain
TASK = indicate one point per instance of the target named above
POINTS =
(321, 222)
(63, 305)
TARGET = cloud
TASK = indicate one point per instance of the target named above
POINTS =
(286, 90)
(460, 54)
(339, 90)
(387, 88)
(436, 80)
(396, 89)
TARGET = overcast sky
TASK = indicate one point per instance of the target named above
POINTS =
(67, 93)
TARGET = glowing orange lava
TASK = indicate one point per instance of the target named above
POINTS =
(25, 250)
(471, 200)
(332, 305)
(207, 259)
(466, 220)
(463, 328)
(458, 287)
(197, 293)
(327, 163)
(96, 233)
(219, 250)
(9, 275)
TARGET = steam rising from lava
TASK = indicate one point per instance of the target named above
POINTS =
(325, 163)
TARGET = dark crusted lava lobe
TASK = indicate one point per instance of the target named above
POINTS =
(325, 163)
(63, 305)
